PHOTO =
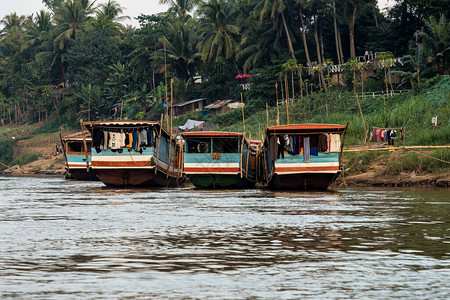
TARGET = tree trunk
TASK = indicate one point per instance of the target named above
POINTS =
(321, 45)
(319, 56)
(352, 34)
(336, 34)
(374, 12)
(305, 44)
(288, 37)
(341, 52)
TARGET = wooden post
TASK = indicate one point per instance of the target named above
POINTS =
(267, 114)
(159, 143)
(170, 130)
(64, 148)
(85, 145)
(342, 144)
(242, 147)
(248, 153)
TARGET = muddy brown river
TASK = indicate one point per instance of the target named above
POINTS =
(81, 240)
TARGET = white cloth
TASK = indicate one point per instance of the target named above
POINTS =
(335, 142)
(114, 140)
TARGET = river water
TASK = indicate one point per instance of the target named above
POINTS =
(70, 240)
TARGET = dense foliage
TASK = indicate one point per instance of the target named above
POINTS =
(77, 60)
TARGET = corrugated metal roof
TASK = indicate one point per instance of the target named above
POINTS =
(211, 134)
(120, 123)
(306, 128)
(188, 102)
(77, 136)
(218, 104)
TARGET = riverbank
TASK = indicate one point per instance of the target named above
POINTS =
(34, 154)
(359, 171)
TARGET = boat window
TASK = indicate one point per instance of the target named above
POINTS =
(75, 147)
(226, 145)
(198, 145)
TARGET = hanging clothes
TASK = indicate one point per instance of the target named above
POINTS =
(150, 137)
(335, 144)
(281, 144)
(98, 138)
(306, 149)
(114, 140)
(314, 151)
(322, 143)
(129, 142)
(273, 147)
(144, 140)
(134, 140)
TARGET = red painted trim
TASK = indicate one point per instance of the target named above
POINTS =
(121, 164)
(303, 169)
(307, 127)
(209, 170)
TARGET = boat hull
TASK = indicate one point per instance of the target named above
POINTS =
(303, 181)
(220, 181)
(82, 174)
(136, 177)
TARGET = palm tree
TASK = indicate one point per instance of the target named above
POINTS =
(181, 52)
(436, 42)
(351, 10)
(70, 18)
(276, 9)
(220, 33)
(305, 44)
(316, 6)
(181, 8)
(258, 45)
(108, 16)
(39, 32)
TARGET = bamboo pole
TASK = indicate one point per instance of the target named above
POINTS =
(287, 99)
(170, 130)
(243, 116)
(267, 114)
(85, 145)
(397, 148)
(165, 83)
(248, 154)
(242, 147)
(278, 109)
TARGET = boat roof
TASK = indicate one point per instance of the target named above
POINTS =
(78, 136)
(306, 128)
(211, 134)
(122, 123)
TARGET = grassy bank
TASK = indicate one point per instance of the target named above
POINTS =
(408, 110)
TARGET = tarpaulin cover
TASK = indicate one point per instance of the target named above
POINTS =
(191, 124)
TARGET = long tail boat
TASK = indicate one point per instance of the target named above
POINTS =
(76, 155)
(302, 156)
(134, 153)
(219, 160)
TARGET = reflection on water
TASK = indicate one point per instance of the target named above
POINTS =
(81, 239)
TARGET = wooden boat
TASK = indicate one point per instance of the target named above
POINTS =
(134, 153)
(76, 156)
(302, 156)
(219, 160)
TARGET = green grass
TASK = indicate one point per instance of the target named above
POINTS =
(422, 162)
(6, 153)
(413, 112)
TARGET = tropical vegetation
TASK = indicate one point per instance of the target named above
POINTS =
(76, 59)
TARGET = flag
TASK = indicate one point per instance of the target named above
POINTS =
(164, 46)
(115, 109)
(276, 84)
